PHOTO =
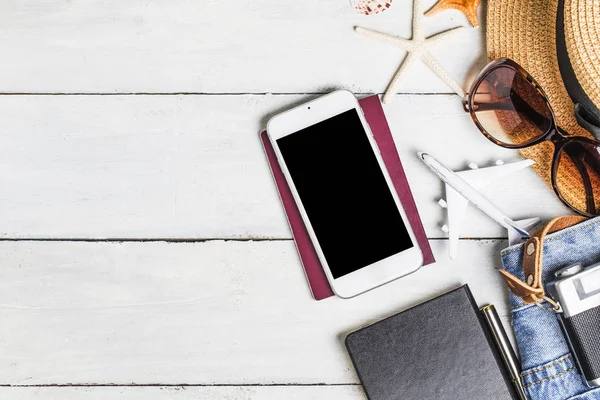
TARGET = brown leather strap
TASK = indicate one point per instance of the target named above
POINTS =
(532, 290)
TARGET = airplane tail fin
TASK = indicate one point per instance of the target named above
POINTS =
(514, 237)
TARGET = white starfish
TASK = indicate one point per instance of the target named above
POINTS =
(416, 48)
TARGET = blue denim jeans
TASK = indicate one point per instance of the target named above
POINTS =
(549, 371)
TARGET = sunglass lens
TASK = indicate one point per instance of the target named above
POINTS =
(510, 108)
(578, 176)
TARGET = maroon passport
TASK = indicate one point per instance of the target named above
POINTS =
(381, 132)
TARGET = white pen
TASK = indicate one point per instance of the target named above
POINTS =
(469, 193)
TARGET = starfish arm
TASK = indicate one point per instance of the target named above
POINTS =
(437, 68)
(438, 37)
(467, 7)
(391, 89)
(471, 13)
(383, 37)
(438, 7)
(417, 30)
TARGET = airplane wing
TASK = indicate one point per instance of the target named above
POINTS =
(478, 178)
(457, 204)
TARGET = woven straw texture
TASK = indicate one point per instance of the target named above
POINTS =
(525, 31)
(582, 33)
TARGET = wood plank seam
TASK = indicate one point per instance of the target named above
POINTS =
(83, 385)
(194, 240)
(211, 94)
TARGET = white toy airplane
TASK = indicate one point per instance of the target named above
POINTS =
(461, 189)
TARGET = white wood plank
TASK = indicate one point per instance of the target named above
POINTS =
(216, 46)
(197, 313)
(184, 393)
(193, 166)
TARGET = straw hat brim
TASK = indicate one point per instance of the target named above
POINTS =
(525, 31)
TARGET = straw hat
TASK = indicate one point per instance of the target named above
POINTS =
(558, 43)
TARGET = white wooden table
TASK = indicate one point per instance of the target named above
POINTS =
(144, 253)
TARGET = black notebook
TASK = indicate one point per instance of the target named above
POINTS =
(440, 349)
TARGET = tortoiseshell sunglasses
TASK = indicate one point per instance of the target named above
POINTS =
(512, 110)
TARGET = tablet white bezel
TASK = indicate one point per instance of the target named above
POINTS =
(375, 274)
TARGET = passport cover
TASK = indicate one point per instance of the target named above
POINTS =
(440, 349)
(381, 132)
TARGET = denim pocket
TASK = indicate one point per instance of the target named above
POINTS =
(555, 380)
(593, 394)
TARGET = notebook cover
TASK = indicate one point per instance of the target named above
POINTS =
(381, 132)
(440, 349)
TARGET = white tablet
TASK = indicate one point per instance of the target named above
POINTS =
(344, 193)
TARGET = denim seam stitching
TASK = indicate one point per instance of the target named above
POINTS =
(505, 252)
(550, 377)
(523, 305)
(555, 236)
(533, 371)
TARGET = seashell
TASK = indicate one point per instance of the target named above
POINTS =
(370, 7)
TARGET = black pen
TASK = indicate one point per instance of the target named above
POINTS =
(510, 360)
